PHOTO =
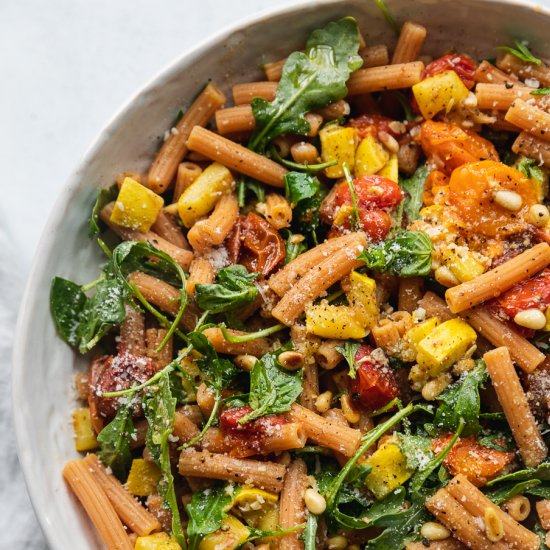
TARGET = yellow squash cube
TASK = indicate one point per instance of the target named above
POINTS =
(462, 263)
(156, 541)
(547, 326)
(389, 470)
(231, 535)
(362, 297)
(201, 196)
(84, 435)
(136, 206)
(258, 508)
(143, 477)
(338, 143)
(391, 169)
(445, 345)
(417, 333)
(329, 321)
(439, 92)
(370, 157)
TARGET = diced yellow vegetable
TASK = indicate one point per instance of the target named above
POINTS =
(362, 297)
(248, 496)
(258, 508)
(231, 534)
(84, 435)
(370, 157)
(136, 207)
(547, 327)
(190, 367)
(329, 321)
(439, 92)
(337, 143)
(462, 263)
(143, 477)
(391, 169)
(417, 333)
(203, 194)
(343, 213)
(445, 345)
(156, 541)
(389, 470)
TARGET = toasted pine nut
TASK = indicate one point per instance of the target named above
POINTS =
(291, 360)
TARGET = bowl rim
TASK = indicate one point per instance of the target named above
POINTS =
(64, 197)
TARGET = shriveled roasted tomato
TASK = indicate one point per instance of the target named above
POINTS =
(477, 462)
(372, 124)
(472, 190)
(449, 146)
(463, 65)
(263, 249)
(374, 385)
(533, 293)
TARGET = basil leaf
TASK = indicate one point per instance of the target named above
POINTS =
(159, 412)
(408, 254)
(521, 51)
(530, 169)
(114, 440)
(310, 80)
(272, 389)
(234, 288)
(104, 197)
(67, 301)
(414, 186)
(348, 350)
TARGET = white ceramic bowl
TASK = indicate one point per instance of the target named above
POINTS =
(43, 364)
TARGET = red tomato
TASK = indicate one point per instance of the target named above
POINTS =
(374, 385)
(468, 457)
(533, 293)
(229, 421)
(463, 65)
(372, 124)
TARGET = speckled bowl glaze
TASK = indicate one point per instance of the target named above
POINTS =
(43, 365)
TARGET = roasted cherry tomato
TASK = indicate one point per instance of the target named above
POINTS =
(263, 249)
(472, 189)
(462, 65)
(468, 457)
(436, 188)
(449, 146)
(372, 124)
(374, 385)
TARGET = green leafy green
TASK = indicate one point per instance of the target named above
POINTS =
(272, 389)
(461, 401)
(304, 193)
(206, 512)
(390, 20)
(530, 169)
(502, 493)
(348, 350)
(355, 220)
(408, 254)
(417, 450)
(114, 440)
(310, 532)
(309, 81)
(521, 51)
(541, 91)
(67, 302)
(159, 411)
(541, 472)
(414, 186)
(294, 244)
(256, 188)
(234, 288)
(104, 197)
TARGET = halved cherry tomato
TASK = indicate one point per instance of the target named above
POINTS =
(433, 186)
(372, 124)
(449, 146)
(463, 65)
(472, 189)
(468, 457)
(374, 385)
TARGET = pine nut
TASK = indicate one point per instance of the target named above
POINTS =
(315, 502)
(205, 399)
(434, 387)
(389, 141)
(432, 530)
(291, 360)
(493, 525)
(539, 215)
(338, 542)
(245, 362)
(531, 318)
(509, 200)
(323, 401)
(304, 153)
(350, 412)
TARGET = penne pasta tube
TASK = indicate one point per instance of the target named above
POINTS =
(324, 432)
(489, 74)
(543, 511)
(184, 428)
(410, 293)
(277, 211)
(274, 70)
(529, 118)
(179, 255)
(477, 504)
(132, 331)
(327, 356)
(310, 385)
(236, 157)
(386, 77)
(375, 56)
(511, 64)
(337, 416)
(130, 511)
(528, 145)
(257, 347)
(167, 227)
(154, 337)
(410, 42)
(187, 173)
(100, 511)
(235, 119)
(212, 231)
(264, 475)
(445, 544)
(214, 440)
(500, 96)
(201, 272)
(515, 406)
(173, 150)
(284, 438)
(495, 281)
(246, 92)
(292, 509)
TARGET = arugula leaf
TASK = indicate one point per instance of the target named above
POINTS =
(390, 20)
(294, 245)
(417, 450)
(348, 350)
(104, 197)
(206, 512)
(234, 288)
(530, 168)
(354, 219)
(521, 51)
(541, 91)
(255, 187)
(508, 490)
(310, 532)
(114, 440)
(497, 440)
(305, 195)
(67, 302)
(159, 412)
(541, 472)
(414, 186)
(461, 400)
(272, 389)
(310, 80)
(408, 254)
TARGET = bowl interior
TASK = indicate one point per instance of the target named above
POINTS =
(44, 366)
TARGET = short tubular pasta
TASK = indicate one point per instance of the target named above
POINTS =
(489, 74)
(512, 64)
(292, 511)
(201, 272)
(245, 93)
(235, 119)
(375, 56)
(327, 356)
(187, 173)
(543, 511)
(410, 293)
(277, 211)
(166, 227)
(132, 331)
(386, 77)
(529, 118)
(256, 347)
(410, 42)
(530, 146)
(500, 96)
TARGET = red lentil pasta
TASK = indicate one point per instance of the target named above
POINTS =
(326, 320)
